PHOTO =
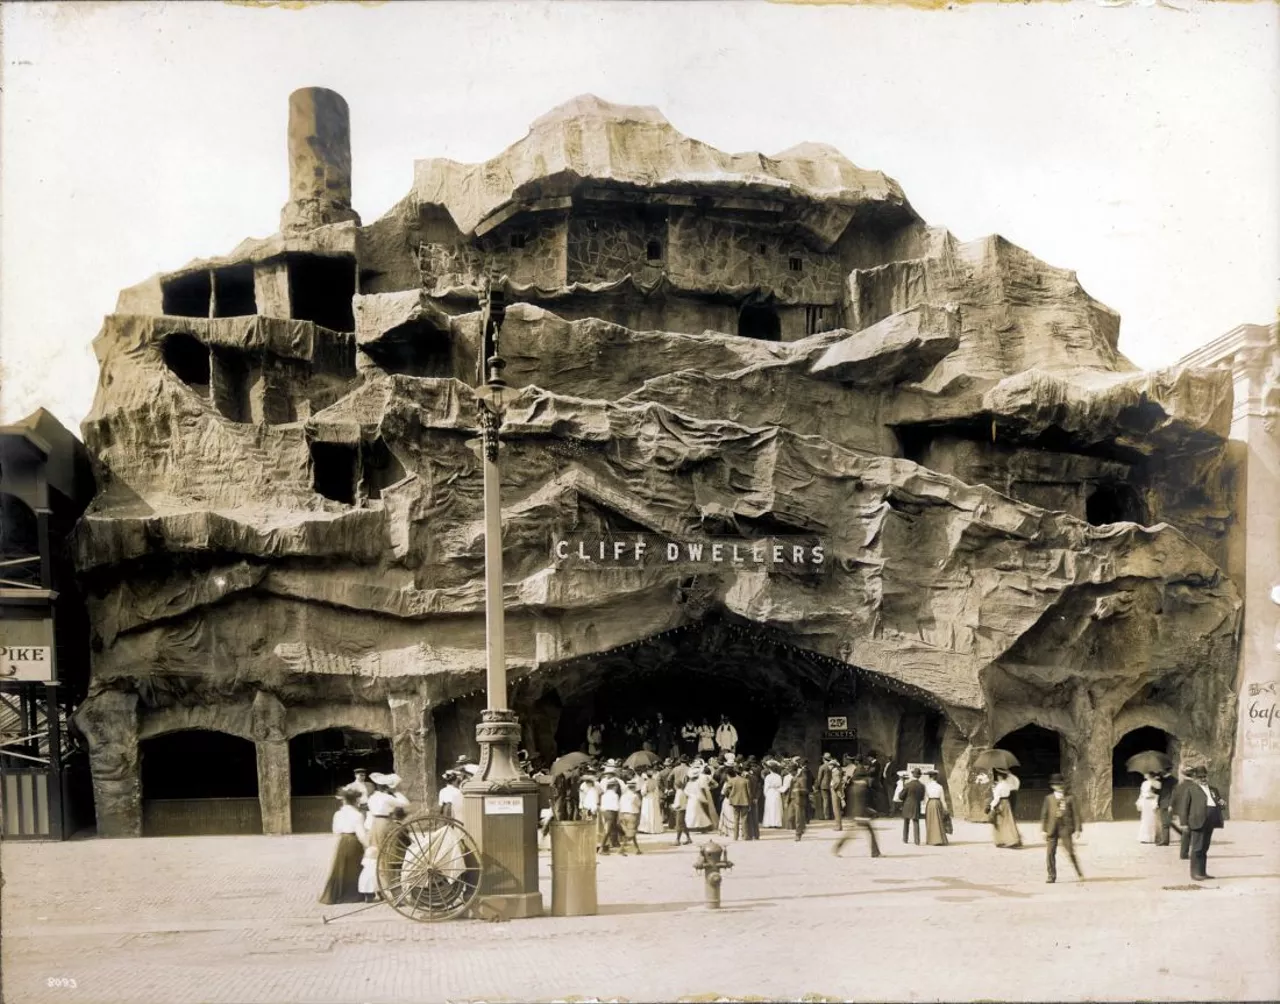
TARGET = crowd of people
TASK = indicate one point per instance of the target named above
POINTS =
(738, 797)
(615, 738)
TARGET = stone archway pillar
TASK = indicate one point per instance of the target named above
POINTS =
(413, 747)
(272, 745)
(109, 723)
(1086, 764)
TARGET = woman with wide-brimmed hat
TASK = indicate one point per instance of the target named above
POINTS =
(343, 883)
(382, 803)
(1004, 830)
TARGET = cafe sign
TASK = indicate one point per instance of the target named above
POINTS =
(26, 651)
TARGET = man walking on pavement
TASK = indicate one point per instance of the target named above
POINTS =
(1060, 820)
(860, 809)
(912, 799)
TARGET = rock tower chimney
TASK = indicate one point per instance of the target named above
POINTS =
(319, 161)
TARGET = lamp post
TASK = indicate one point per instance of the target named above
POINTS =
(500, 803)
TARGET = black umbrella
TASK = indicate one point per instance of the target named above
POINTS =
(1149, 762)
(995, 760)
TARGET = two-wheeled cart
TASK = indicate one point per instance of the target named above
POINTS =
(428, 869)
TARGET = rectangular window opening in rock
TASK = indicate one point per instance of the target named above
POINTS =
(333, 471)
(415, 348)
(795, 264)
(233, 294)
(188, 359)
(379, 469)
(232, 375)
(321, 288)
(189, 295)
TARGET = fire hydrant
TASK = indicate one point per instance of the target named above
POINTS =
(712, 860)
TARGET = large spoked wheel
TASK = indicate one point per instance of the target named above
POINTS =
(429, 868)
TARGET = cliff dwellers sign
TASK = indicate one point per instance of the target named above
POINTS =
(767, 554)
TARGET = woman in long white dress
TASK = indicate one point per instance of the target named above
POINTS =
(651, 806)
(699, 814)
(1148, 806)
(772, 800)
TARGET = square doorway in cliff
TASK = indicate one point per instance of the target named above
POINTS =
(761, 321)
(233, 294)
(321, 288)
(189, 295)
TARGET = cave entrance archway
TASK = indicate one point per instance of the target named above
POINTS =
(1039, 751)
(768, 689)
(1124, 785)
(321, 762)
(199, 781)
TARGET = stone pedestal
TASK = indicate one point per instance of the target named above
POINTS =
(500, 810)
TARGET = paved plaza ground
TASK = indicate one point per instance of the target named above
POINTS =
(235, 919)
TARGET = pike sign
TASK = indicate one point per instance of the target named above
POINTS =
(26, 663)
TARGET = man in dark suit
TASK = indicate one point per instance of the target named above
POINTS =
(912, 799)
(1198, 807)
(799, 795)
(1060, 820)
(737, 792)
(823, 782)
(1184, 834)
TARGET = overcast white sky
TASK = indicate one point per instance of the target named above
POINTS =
(1138, 145)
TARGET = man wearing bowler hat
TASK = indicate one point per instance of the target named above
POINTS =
(1198, 807)
(1060, 820)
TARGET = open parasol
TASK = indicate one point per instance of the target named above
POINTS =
(569, 762)
(1150, 762)
(641, 758)
(995, 760)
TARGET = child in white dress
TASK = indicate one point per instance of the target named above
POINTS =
(368, 884)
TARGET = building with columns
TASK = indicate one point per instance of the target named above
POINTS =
(1251, 352)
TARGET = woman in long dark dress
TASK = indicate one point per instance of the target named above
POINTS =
(343, 885)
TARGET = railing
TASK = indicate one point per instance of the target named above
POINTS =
(183, 817)
(24, 805)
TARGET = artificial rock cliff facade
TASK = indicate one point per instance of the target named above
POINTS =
(1020, 528)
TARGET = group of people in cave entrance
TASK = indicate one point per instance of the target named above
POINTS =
(737, 797)
(612, 737)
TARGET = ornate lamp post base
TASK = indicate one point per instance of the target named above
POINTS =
(500, 809)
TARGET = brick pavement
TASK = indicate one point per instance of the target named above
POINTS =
(234, 919)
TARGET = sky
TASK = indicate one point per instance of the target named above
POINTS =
(1137, 144)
